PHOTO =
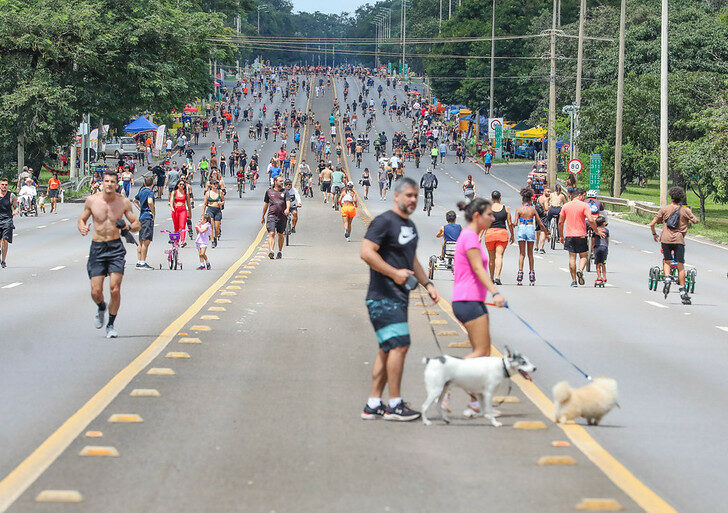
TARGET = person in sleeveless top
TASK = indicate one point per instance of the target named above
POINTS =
(497, 236)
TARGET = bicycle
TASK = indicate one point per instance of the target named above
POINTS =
(203, 177)
(428, 202)
(241, 187)
(289, 228)
(173, 253)
(337, 195)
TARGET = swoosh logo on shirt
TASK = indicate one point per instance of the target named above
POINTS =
(406, 235)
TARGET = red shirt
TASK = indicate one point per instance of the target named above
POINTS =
(54, 183)
(575, 214)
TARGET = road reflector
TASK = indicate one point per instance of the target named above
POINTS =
(228, 293)
(160, 371)
(94, 434)
(221, 302)
(506, 399)
(144, 392)
(556, 460)
(244, 272)
(59, 496)
(200, 327)
(447, 334)
(182, 334)
(438, 321)
(241, 277)
(216, 309)
(125, 418)
(189, 340)
(461, 345)
(599, 505)
(248, 267)
(98, 450)
(430, 312)
(522, 424)
(238, 282)
(560, 443)
(210, 317)
(233, 287)
(176, 354)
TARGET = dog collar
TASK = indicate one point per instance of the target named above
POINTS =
(505, 369)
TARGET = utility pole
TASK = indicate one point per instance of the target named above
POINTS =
(579, 72)
(551, 165)
(439, 23)
(449, 9)
(492, 64)
(404, 31)
(376, 43)
(663, 105)
(21, 153)
(620, 104)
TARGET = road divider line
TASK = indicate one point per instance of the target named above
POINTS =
(12, 285)
(580, 437)
(724, 328)
(58, 268)
(656, 304)
(25, 474)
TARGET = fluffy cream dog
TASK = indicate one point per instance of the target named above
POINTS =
(592, 401)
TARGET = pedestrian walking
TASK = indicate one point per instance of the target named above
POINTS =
(144, 201)
(8, 209)
(277, 208)
(390, 250)
(572, 233)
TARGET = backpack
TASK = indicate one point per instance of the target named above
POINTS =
(428, 180)
(673, 221)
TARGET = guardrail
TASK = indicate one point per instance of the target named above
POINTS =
(644, 207)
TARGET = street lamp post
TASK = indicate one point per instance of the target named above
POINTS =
(492, 64)
(620, 105)
(579, 70)
(261, 7)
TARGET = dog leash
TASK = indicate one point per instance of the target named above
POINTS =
(525, 323)
(434, 335)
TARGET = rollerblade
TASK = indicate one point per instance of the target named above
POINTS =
(685, 297)
(532, 277)
(519, 278)
(599, 283)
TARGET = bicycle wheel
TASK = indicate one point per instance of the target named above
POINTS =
(288, 231)
(554, 233)
(589, 257)
(170, 258)
(175, 259)
(431, 267)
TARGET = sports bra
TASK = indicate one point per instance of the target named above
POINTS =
(180, 197)
(469, 185)
(348, 197)
(500, 218)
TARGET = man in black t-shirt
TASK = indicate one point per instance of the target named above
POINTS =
(389, 248)
(277, 207)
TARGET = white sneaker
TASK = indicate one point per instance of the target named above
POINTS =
(111, 332)
(99, 318)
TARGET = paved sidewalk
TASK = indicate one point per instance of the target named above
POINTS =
(264, 414)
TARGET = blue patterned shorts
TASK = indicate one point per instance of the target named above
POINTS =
(389, 318)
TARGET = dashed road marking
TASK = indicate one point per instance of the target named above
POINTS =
(724, 328)
(507, 399)
(564, 269)
(160, 371)
(59, 496)
(144, 392)
(654, 303)
(222, 301)
(217, 309)
(177, 354)
(598, 505)
(523, 424)
(12, 285)
(41, 226)
(560, 443)
(98, 450)
(57, 268)
(556, 460)
(125, 418)
(647, 252)
(189, 340)
(94, 434)
(199, 327)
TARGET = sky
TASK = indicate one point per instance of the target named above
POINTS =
(329, 7)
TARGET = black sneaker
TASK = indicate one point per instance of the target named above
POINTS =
(580, 277)
(373, 413)
(401, 412)
(279, 255)
(3, 264)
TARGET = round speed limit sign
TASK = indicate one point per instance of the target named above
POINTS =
(575, 166)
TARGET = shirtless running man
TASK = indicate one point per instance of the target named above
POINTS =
(325, 179)
(106, 257)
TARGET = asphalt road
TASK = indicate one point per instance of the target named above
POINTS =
(264, 415)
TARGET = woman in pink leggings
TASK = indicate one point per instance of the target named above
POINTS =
(179, 203)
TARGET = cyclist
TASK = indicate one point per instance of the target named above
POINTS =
(337, 185)
(428, 183)
(449, 232)
(204, 167)
(294, 198)
(434, 153)
(241, 179)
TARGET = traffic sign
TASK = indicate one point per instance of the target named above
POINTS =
(575, 166)
(595, 171)
(494, 122)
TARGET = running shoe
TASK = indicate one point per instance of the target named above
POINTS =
(279, 255)
(208, 266)
(497, 281)
(346, 233)
(401, 413)
(214, 243)
(201, 268)
(145, 266)
(111, 332)
(573, 284)
(293, 229)
(373, 413)
(270, 255)
(99, 318)
(3, 264)
(580, 276)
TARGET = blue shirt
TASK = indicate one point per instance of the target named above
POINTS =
(451, 232)
(275, 171)
(143, 198)
(487, 158)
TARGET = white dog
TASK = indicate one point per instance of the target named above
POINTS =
(592, 401)
(477, 376)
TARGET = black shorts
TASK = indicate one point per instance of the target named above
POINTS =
(325, 186)
(366, 183)
(600, 254)
(52, 193)
(276, 223)
(674, 252)
(487, 165)
(576, 245)
(389, 319)
(147, 230)
(215, 213)
(106, 257)
(6, 230)
(466, 311)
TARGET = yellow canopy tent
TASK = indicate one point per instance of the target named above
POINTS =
(532, 133)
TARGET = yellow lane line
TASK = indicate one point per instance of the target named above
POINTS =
(612, 468)
(17, 481)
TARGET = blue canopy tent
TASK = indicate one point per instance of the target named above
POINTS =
(140, 124)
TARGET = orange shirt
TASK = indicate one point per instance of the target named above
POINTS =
(54, 183)
(575, 214)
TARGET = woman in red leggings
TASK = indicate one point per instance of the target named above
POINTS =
(179, 203)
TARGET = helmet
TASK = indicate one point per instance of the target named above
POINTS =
(591, 193)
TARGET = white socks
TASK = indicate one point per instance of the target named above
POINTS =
(394, 401)
(374, 402)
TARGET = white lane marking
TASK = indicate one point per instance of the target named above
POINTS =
(648, 252)
(564, 269)
(11, 285)
(64, 219)
(538, 257)
(724, 328)
(617, 241)
(57, 268)
(169, 219)
(628, 292)
(41, 226)
(551, 261)
(608, 285)
(658, 305)
(688, 313)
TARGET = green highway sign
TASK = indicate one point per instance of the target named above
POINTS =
(498, 136)
(595, 171)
